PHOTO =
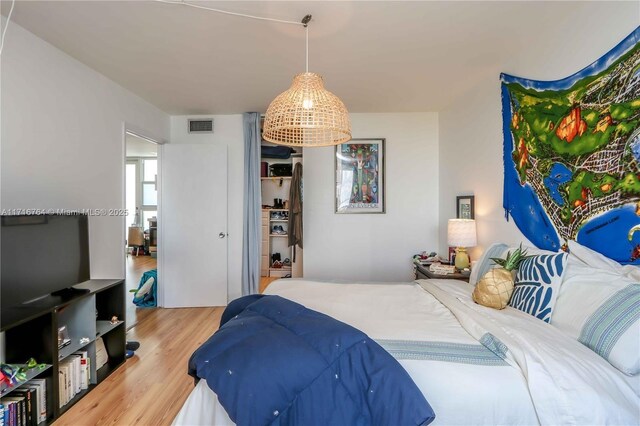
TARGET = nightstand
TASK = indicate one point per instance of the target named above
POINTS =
(422, 273)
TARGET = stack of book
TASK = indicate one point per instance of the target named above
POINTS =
(74, 376)
(26, 406)
(440, 269)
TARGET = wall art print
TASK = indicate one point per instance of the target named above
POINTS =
(572, 155)
(360, 176)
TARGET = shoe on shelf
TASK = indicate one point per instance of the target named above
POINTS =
(277, 264)
(279, 230)
(286, 262)
(276, 216)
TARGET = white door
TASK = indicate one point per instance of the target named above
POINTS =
(193, 225)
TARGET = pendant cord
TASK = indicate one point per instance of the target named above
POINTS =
(226, 12)
(306, 28)
(6, 25)
(305, 21)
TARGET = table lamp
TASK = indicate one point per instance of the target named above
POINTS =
(461, 233)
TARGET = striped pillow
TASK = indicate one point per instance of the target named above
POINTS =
(599, 305)
(537, 284)
(612, 330)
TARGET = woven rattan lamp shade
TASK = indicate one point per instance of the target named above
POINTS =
(307, 115)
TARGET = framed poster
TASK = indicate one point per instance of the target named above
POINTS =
(360, 176)
(464, 207)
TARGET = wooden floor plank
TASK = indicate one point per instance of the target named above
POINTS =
(152, 386)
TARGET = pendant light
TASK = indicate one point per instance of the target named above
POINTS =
(307, 114)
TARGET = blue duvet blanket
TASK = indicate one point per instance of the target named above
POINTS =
(276, 362)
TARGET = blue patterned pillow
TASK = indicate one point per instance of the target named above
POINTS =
(537, 284)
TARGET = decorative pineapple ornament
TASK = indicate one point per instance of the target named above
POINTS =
(495, 288)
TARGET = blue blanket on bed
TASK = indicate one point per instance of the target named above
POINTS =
(276, 362)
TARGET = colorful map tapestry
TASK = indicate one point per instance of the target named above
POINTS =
(572, 155)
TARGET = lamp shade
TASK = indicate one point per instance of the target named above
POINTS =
(461, 233)
(307, 115)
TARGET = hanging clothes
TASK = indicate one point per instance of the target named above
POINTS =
(295, 209)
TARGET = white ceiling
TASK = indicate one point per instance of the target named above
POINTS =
(376, 56)
(138, 147)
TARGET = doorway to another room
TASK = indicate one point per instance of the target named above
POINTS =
(141, 226)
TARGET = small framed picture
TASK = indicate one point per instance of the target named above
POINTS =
(360, 174)
(464, 207)
(452, 255)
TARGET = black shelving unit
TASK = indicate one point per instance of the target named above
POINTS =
(32, 331)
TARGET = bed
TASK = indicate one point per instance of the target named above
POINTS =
(473, 364)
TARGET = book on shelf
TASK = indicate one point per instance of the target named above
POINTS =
(31, 413)
(61, 391)
(7, 412)
(102, 356)
(40, 385)
(10, 410)
(74, 365)
(85, 370)
(74, 375)
(17, 410)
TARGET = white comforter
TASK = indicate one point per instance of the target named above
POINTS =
(549, 379)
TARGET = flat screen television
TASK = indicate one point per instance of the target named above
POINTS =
(41, 255)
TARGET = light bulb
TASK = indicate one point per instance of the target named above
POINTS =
(307, 104)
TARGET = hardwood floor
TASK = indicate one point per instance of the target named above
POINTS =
(150, 388)
(136, 266)
(264, 283)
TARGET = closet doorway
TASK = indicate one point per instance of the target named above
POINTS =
(141, 222)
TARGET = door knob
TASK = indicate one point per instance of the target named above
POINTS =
(222, 235)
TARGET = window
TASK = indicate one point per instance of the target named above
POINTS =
(141, 190)
(150, 170)
(149, 195)
(149, 183)
(130, 193)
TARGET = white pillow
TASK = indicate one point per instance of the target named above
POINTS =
(599, 305)
(597, 260)
(485, 263)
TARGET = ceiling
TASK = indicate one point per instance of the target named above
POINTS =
(138, 147)
(376, 56)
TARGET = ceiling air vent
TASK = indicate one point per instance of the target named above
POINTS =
(201, 126)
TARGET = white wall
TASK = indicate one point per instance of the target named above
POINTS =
(471, 129)
(375, 247)
(62, 139)
(227, 130)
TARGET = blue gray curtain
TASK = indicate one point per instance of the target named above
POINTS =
(252, 232)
